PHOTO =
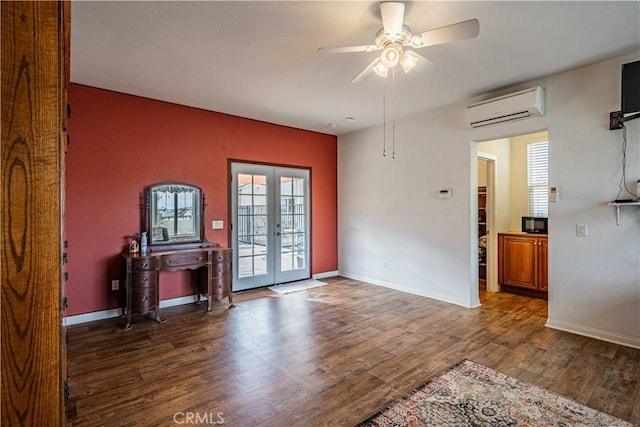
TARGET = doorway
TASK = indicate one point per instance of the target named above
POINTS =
(517, 186)
(487, 236)
(270, 225)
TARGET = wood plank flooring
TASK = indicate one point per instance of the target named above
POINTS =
(332, 355)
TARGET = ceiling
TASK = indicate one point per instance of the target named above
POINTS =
(259, 59)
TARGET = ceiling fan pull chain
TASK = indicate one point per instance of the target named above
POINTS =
(384, 119)
(393, 117)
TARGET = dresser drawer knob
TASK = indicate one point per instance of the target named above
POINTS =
(145, 265)
(144, 279)
(144, 298)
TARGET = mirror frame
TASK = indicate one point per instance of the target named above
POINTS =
(197, 242)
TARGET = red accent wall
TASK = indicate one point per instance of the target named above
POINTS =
(121, 143)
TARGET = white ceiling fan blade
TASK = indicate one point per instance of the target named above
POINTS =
(418, 62)
(349, 49)
(451, 33)
(368, 70)
(392, 18)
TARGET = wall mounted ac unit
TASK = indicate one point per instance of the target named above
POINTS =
(507, 108)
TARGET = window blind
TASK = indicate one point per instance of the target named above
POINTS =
(538, 178)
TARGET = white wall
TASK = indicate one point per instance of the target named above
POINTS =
(392, 228)
(394, 231)
(482, 173)
(501, 149)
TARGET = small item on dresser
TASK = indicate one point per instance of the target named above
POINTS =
(134, 248)
(143, 243)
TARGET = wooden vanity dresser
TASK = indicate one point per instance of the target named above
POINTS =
(211, 276)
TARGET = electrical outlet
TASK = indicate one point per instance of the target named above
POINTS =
(115, 285)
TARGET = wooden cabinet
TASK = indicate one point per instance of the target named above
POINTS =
(144, 282)
(221, 276)
(522, 261)
(142, 277)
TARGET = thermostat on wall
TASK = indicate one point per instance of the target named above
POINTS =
(445, 193)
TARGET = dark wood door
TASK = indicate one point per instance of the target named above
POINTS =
(35, 60)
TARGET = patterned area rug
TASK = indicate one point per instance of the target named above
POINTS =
(469, 394)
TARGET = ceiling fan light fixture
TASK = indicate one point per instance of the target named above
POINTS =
(395, 36)
(391, 55)
(408, 61)
(381, 70)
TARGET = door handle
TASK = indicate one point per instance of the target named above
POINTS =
(277, 233)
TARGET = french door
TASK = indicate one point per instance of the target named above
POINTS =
(270, 225)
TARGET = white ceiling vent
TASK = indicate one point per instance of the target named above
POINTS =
(515, 106)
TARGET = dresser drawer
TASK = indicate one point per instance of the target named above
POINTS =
(143, 264)
(178, 260)
(221, 270)
(221, 287)
(143, 301)
(221, 256)
(143, 279)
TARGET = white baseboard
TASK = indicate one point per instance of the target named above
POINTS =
(590, 332)
(325, 275)
(117, 312)
(189, 299)
(395, 286)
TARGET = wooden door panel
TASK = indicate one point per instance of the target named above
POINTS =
(517, 262)
(34, 59)
(542, 264)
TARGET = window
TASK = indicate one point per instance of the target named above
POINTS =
(538, 178)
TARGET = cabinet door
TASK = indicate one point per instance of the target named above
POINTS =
(542, 264)
(517, 260)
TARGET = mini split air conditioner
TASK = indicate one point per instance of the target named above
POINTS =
(507, 108)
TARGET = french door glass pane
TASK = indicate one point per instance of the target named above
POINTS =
(259, 184)
(298, 186)
(252, 225)
(292, 223)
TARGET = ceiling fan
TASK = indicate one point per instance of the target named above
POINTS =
(394, 39)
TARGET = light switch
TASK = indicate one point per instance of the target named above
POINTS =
(217, 225)
(582, 230)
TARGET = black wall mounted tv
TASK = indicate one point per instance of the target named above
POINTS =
(630, 99)
(629, 96)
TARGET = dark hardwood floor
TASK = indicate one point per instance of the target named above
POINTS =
(327, 356)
